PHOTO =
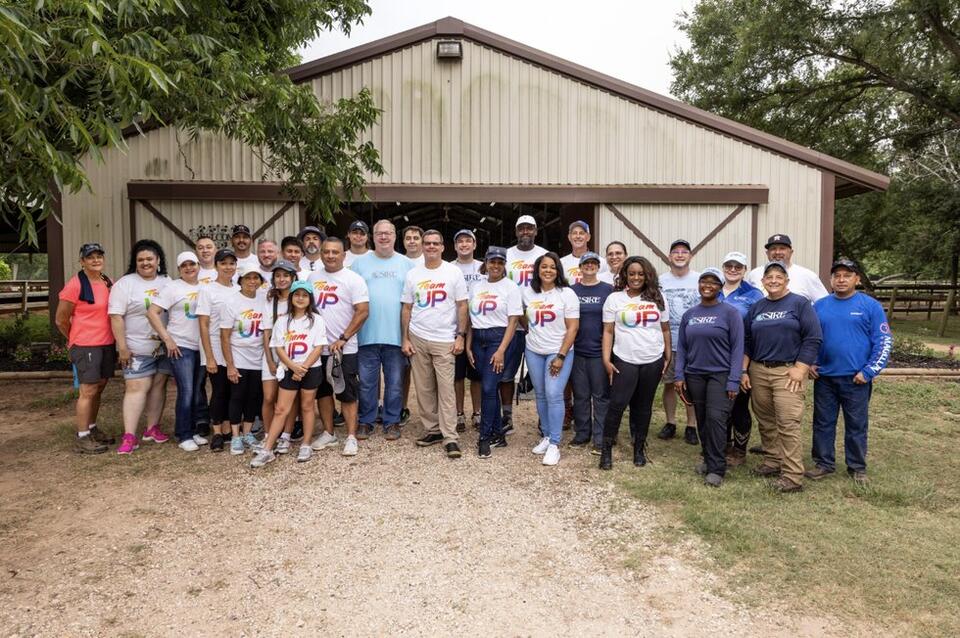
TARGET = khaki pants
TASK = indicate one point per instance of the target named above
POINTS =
(778, 413)
(433, 371)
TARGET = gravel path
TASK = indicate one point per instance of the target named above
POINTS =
(397, 541)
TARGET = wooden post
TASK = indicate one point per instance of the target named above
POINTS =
(893, 303)
(945, 318)
(23, 297)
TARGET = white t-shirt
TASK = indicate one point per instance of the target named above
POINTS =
(267, 324)
(803, 281)
(310, 266)
(336, 294)
(571, 269)
(298, 339)
(606, 276)
(130, 297)
(211, 302)
(546, 315)
(179, 299)
(470, 271)
(520, 264)
(249, 261)
(243, 316)
(681, 294)
(637, 333)
(492, 305)
(350, 256)
(207, 276)
(434, 294)
(417, 261)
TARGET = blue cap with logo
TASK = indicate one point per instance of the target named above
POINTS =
(589, 256)
(465, 231)
(496, 252)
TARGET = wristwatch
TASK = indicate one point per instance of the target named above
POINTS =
(461, 334)
(342, 337)
(561, 356)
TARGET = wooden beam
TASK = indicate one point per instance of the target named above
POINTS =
(636, 231)
(713, 233)
(166, 222)
(277, 215)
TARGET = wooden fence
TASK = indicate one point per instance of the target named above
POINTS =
(906, 298)
(19, 296)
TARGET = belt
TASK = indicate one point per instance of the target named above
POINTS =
(775, 364)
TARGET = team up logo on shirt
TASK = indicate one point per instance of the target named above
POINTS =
(540, 313)
(573, 274)
(190, 301)
(248, 323)
(149, 295)
(295, 343)
(635, 315)
(429, 293)
(484, 303)
(326, 294)
(521, 272)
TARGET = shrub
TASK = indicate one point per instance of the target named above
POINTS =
(907, 345)
(23, 354)
(13, 334)
(58, 354)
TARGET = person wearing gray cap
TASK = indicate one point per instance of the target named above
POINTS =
(311, 238)
(465, 243)
(803, 281)
(359, 238)
(83, 320)
(588, 379)
(856, 347)
(709, 359)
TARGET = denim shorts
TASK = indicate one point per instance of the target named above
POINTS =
(146, 365)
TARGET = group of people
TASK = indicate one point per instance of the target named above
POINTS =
(284, 333)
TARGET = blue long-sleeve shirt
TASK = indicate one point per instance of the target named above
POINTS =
(711, 340)
(856, 336)
(742, 298)
(785, 329)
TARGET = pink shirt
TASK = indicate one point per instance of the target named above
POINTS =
(89, 324)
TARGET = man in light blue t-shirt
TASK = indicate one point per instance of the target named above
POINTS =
(384, 270)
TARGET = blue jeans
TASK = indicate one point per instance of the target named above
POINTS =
(830, 395)
(549, 391)
(187, 373)
(391, 360)
(485, 343)
(591, 396)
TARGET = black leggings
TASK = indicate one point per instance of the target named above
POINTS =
(739, 423)
(246, 397)
(219, 395)
(708, 393)
(635, 386)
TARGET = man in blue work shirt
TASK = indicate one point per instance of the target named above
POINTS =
(856, 346)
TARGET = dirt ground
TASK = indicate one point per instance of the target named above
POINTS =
(396, 541)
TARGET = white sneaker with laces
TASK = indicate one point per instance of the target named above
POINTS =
(542, 446)
(283, 446)
(199, 440)
(189, 445)
(305, 454)
(350, 446)
(325, 440)
(262, 457)
(552, 456)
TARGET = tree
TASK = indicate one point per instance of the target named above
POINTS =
(74, 74)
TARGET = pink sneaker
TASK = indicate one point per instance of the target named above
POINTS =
(128, 444)
(153, 433)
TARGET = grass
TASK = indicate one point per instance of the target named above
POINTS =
(35, 327)
(927, 330)
(886, 553)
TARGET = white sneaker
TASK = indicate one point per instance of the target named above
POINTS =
(199, 440)
(262, 457)
(283, 446)
(325, 440)
(189, 445)
(542, 446)
(350, 446)
(552, 457)
(305, 454)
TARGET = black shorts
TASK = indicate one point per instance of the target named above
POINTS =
(94, 362)
(350, 368)
(463, 370)
(310, 381)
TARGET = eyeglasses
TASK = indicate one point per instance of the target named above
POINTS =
(433, 243)
(733, 266)
(383, 233)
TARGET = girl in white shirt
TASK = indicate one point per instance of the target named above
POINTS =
(212, 301)
(278, 297)
(552, 316)
(636, 351)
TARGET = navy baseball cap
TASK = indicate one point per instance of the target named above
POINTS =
(240, 229)
(680, 242)
(360, 225)
(582, 224)
(589, 256)
(775, 264)
(88, 249)
(496, 252)
(844, 263)
(779, 239)
(467, 232)
(222, 254)
(306, 230)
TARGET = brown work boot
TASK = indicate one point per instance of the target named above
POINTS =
(735, 457)
(786, 486)
(817, 473)
(765, 471)
(100, 437)
(86, 445)
(859, 476)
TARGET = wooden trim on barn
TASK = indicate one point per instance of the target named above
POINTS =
(166, 222)
(55, 255)
(639, 233)
(754, 231)
(273, 218)
(716, 231)
(515, 193)
(827, 211)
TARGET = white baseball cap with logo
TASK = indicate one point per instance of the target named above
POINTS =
(185, 256)
(734, 256)
(526, 219)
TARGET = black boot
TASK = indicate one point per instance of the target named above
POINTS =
(606, 456)
(639, 452)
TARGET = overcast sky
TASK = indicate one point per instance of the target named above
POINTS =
(628, 39)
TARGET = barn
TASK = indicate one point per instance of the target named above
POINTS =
(476, 130)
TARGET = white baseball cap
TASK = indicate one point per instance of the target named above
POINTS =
(740, 258)
(185, 256)
(245, 269)
(526, 219)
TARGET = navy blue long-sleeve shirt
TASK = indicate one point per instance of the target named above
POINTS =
(785, 329)
(856, 336)
(710, 340)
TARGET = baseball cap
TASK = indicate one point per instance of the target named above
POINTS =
(244, 269)
(185, 256)
(496, 252)
(310, 229)
(222, 254)
(360, 225)
(734, 256)
(843, 262)
(526, 219)
(467, 232)
(283, 264)
(582, 224)
(775, 264)
(88, 249)
(305, 286)
(240, 229)
(680, 242)
(334, 373)
(711, 272)
(589, 256)
(778, 239)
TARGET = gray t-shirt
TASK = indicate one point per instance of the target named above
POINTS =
(682, 293)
